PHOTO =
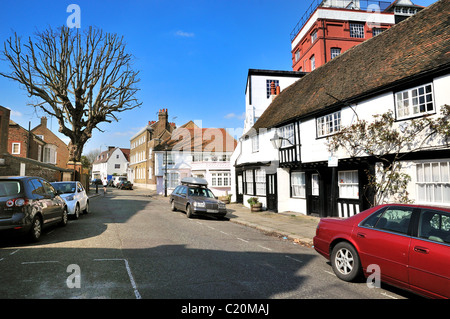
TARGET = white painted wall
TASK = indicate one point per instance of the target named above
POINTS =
(260, 102)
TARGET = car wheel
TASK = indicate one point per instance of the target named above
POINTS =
(77, 212)
(86, 209)
(65, 217)
(36, 229)
(173, 206)
(345, 262)
(189, 211)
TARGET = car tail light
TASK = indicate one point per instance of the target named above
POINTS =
(18, 202)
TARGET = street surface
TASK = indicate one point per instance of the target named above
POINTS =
(133, 246)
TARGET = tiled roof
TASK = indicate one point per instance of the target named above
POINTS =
(414, 48)
(107, 155)
(196, 139)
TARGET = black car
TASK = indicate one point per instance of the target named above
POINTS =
(124, 185)
(193, 197)
(29, 203)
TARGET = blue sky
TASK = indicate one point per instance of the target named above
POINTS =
(193, 55)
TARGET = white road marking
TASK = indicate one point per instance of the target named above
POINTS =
(130, 275)
(297, 260)
(39, 262)
(385, 294)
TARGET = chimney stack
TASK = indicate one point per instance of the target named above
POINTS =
(44, 121)
(163, 116)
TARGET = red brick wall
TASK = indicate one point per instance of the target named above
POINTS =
(18, 135)
(62, 156)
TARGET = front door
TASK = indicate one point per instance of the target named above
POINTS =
(239, 188)
(271, 192)
(314, 204)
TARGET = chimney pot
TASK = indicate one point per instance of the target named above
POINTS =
(272, 88)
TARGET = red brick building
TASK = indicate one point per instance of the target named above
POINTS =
(4, 127)
(331, 27)
(22, 143)
(56, 151)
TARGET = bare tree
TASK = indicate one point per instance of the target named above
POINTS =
(80, 78)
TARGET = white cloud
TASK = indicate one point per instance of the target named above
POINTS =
(184, 34)
(15, 113)
(235, 116)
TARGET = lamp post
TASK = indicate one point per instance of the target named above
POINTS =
(278, 140)
(165, 174)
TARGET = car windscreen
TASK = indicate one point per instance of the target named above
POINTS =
(200, 191)
(65, 188)
(9, 188)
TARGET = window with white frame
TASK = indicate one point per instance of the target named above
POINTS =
(170, 159)
(287, 133)
(173, 179)
(357, 30)
(220, 179)
(348, 184)
(433, 182)
(249, 182)
(334, 52)
(255, 143)
(313, 62)
(414, 102)
(298, 184)
(260, 180)
(315, 188)
(328, 124)
(50, 154)
(15, 148)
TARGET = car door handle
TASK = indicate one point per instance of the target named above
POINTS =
(361, 235)
(421, 250)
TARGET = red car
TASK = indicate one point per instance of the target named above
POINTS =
(410, 244)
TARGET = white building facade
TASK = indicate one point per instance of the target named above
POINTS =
(360, 83)
(195, 152)
(254, 156)
(114, 161)
(258, 94)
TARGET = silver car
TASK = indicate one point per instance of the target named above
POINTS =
(75, 197)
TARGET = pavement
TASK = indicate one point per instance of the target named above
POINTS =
(291, 226)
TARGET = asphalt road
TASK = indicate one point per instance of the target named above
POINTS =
(133, 246)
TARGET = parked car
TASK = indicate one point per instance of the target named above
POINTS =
(96, 181)
(410, 244)
(75, 197)
(118, 179)
(193, 197)
(125, 185)
(29, 203)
